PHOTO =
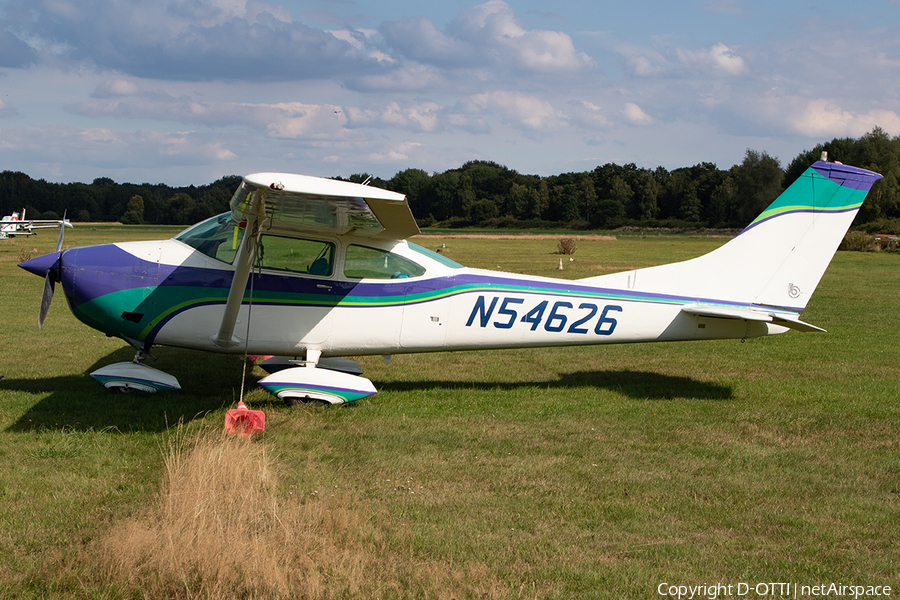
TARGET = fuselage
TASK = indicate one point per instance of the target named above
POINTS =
(370, 297)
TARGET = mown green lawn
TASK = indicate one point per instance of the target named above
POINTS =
(591, 472)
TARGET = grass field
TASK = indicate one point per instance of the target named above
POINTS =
(595, 472)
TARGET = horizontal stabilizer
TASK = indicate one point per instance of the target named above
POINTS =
(748, 314)
(795, 324)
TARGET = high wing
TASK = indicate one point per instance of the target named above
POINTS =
(303, 204)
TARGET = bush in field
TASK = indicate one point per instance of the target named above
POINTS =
(884, 225)
(859, 241)
(566, 246)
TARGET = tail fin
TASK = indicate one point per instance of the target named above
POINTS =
(777, 260)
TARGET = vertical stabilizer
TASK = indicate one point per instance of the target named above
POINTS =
(807, 223)
(777, 260)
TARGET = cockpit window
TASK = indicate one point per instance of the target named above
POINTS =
(217, 237)
(364, 262)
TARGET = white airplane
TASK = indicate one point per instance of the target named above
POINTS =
(312, 269)
(15, 225)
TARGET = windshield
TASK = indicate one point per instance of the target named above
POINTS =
(447, 262)
(217, 237)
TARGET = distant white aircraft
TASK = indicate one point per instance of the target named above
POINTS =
(15, 224)
(312, 269)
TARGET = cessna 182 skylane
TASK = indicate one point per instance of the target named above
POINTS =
(312, 269)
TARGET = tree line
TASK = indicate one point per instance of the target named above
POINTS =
(486, 194)
(105, 200)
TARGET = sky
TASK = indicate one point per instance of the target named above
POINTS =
(187, 91)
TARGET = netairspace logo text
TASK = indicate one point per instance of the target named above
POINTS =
(712, 591)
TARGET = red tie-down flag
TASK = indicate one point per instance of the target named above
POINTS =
(243, 421)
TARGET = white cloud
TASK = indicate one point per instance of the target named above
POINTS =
(587, 114)
(211, 13)
(414, 77)
(825, 118)
(642, 66)
(418, 39)
(486, 35)
(523, 110)
(188, 40)
(359, 39)
(718, 60)
(491, 27)
(182, 144)
(106, 148)
(112, 88)
(397, 154)
(635, 114)
(289, 120)
(423, 116)
(293, 120)
(14, 52)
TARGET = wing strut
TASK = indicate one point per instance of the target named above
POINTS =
(225, 338)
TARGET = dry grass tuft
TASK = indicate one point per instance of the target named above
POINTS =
(219, 528)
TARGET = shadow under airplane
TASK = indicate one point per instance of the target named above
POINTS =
(638, 385)
(77, 402)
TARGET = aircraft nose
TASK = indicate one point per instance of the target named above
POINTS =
(40, 264)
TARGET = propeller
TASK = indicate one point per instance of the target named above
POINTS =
(51, 275)
(62, 229)
(47, 296)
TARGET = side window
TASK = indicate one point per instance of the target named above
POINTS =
(294, 255)
(364, 262)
